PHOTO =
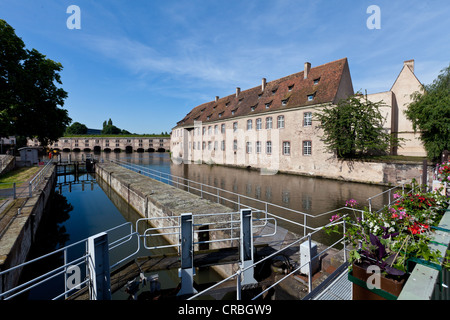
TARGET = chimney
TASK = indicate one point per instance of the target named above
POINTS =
(238, 90)
(410, 64)
(307, 68)
(263, 85)
(217, 98)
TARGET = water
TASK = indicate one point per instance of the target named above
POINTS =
(82, 207)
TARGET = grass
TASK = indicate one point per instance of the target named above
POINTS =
(18, 176)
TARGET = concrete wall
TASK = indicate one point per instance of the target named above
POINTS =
(151, 198)
(17, 240)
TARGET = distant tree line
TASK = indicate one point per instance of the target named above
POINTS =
(109, 128)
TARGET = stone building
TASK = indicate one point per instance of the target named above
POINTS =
(107, 144)
(395, 102)
(271, 126)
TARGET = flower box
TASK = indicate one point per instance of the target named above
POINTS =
(389, 288)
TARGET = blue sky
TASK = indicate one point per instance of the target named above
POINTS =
(146, 64)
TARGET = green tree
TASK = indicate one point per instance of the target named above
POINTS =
(430, 114)
(76, 128)
(354, 128)
(30, 100)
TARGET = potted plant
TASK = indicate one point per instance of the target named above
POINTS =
(389, 241)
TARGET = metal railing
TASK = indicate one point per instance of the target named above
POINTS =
(25, 189)
(67, 267)
(229, 197)
(310, 259)
(226, 230)
(394, 190)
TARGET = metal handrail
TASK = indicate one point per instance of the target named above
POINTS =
(62, 269)
(169, 178)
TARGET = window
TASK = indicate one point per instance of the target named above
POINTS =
(253, 108)
(290, 87)
(307, 148)
(215, 145)
(316, 81)
(307, 119)
(209, 145)
(198, 145)
(204, 130)
(268, 105)
(235, 145)
(284, 102)
(258, 146)
(203, 145)
(222, 145)
(249, 124)
(235, 126)
(310, 97)
(209, 130)
(280, 122)
(222, 128)
(249, 147)
(269, 123)
(269, 147)
(216, 129)
(286, 148)
(258, 124)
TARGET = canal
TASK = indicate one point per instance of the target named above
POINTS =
(82, 206)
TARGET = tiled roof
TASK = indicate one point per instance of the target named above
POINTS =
(253, 101)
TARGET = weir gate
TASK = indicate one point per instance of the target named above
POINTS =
(253, 240)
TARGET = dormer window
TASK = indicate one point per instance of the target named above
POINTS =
(291, 87)
(274, 91)
(316, 81)
(310, 97)
(284, 102)
(268, 105)
(220, 115)
(227, 104)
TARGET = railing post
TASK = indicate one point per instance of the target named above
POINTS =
(238, 285)
(186, 271)
(98, 267)
(29, 189)
(310, 264)
(14, 191)
(246, 247)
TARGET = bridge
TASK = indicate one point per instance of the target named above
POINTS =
(108, 144)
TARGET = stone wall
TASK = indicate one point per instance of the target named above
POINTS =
(18, 238)
(7, 163)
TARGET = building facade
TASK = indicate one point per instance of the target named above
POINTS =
(108, 144)
(272, 127)
(394, 103)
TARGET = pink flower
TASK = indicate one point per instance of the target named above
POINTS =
(351, 203)
(396, 196)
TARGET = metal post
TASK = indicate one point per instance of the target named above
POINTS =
(98, 267)
(14, 191)
(238, 285)
(309, 264)
(246, 247)
(186, 271)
